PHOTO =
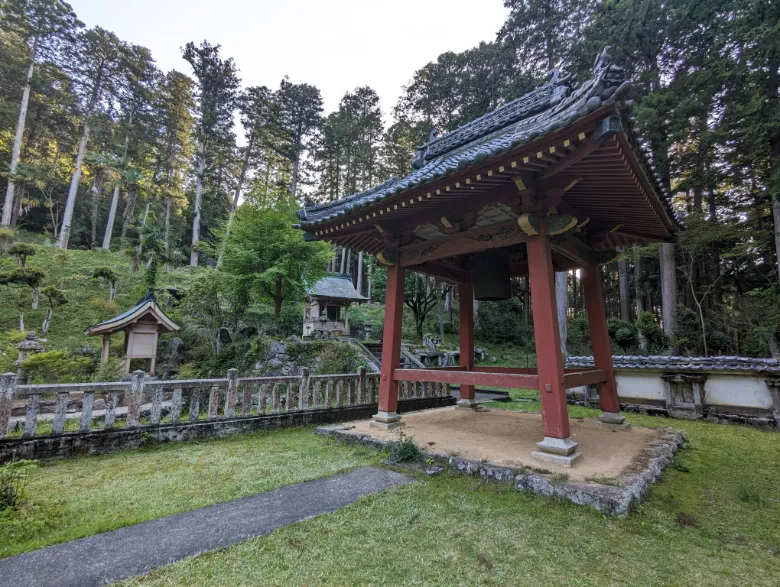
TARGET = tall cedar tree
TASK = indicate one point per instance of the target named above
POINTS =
(217, 85)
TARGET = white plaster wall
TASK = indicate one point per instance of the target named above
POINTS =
(643, 385)
(737, 390)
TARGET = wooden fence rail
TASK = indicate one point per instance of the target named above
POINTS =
(52, 409)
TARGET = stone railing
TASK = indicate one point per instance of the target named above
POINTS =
(55, 409)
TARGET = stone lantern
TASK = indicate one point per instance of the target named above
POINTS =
(30, 345)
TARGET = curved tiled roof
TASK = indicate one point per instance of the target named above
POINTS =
(684, 364)
(145, 305)
(337, 287)
(553, 106)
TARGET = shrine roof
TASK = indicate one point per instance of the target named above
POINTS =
(146, 306)
(557, 104)
(337, 286)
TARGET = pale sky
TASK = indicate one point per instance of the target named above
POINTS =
(336, 45)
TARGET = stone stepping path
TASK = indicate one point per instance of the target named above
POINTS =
(137, 550)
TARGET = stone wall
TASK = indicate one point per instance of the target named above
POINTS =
(722, 389)
(106, 441)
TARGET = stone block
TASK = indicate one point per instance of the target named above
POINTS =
(556, 459)
(557, 446)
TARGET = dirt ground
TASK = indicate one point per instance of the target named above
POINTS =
(507, 438)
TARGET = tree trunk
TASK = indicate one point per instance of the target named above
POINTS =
(127, 217)
(776, 218)
(96, 191)
(370, 280)
(36, 297)
(111, 291)
(236, 196)
(139, 246)
(278, 299)
(70, 204)
(562, 303)
(640, 301)
(21, 321)
(198, 194)
(47, 321)
(115, 198)
(17, 148)
(625, 308)
(669, 288)
(168, 204)
(360, 273)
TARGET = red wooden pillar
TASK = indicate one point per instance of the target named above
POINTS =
(387, 415)
(466, 294)
(602, 351)
(552, 389)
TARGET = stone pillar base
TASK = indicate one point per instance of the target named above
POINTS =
(558, 451)
(468, 403)
(386, 420)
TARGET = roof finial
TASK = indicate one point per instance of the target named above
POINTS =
(603, 59)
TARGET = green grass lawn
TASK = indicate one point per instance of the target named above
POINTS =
(712, 520)
(77, 497)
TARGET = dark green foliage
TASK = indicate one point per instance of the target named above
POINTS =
(623, 334)
(579, 334)
(647, 325)
(20, 251)
(58, 367)
(502, 322)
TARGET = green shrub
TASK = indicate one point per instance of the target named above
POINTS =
(403, 450)
(13, 481)
(647, 325)
(6, 238)
(57, 367)
(622, 333)
(111, 370)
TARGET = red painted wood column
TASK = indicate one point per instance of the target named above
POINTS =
(602, 350)
(466, 313)
(555, 415)
(387, 415)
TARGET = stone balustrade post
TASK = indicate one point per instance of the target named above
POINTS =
(232, 393)
(7, 385)
(136, 398)
(361, 385)
(303, 394)
(31, 416)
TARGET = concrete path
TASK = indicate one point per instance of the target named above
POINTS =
(136, 550)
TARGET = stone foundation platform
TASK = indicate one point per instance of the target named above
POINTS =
(479, 443)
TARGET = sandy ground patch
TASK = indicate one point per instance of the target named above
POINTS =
(507, 438)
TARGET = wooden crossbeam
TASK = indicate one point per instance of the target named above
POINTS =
(471, 241)
(468, 378)
(581, 378)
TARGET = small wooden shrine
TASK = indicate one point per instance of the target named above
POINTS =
(142, 325)
(553, 181)
(327, 310)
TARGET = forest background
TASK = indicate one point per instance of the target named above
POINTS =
(120, 177)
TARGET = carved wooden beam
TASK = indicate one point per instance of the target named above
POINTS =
(573, 249)
(471, 241)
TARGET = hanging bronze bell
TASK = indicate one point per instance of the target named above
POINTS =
(490, 275)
